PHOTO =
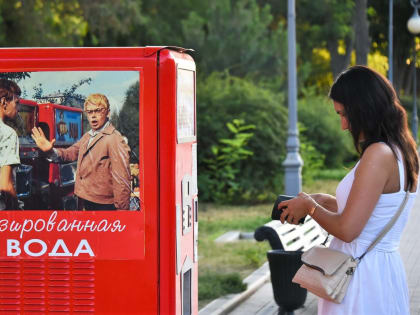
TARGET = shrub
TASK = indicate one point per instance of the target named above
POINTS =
(323, 130)
(222, 98)
(222, 167)
(313, 160)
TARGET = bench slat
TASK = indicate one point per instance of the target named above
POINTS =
(292, 240)
(298, 237)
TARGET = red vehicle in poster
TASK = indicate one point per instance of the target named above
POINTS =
(42, 184)
(110, 262)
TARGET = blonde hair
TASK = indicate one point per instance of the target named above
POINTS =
(97, 99)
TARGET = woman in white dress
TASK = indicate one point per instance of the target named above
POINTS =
(369, 195)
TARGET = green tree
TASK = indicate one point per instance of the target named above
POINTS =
(41, 23)
(127, 120)
(114, 23)
(330, 26)
(238, 37)
(327, 24)
(164, 24)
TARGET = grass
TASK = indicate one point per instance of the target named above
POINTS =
(327, 186)
(213, 285)
(223, 266)
(331, 174)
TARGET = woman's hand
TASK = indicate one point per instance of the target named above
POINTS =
(296, 208)
(41, 141)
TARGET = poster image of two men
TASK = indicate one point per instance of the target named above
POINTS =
(69, 140)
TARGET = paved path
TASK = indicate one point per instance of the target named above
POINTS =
(261, 302)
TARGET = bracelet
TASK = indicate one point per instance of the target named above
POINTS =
(311, 212)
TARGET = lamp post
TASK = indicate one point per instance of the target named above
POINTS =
(413, 25)
(293, 163)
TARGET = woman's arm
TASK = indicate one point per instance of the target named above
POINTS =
(372, 174)
(326, 201)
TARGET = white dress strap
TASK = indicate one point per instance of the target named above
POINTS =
(401, 169)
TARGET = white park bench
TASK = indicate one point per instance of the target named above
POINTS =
(291, 237)
(288, 242)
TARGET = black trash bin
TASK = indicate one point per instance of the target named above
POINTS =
(283, 264)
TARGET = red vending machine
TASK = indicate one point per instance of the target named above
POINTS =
(107, 262)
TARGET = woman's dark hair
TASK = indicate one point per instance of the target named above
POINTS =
(9, 89)
(373, 110)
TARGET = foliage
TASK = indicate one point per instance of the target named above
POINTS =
(323, 20)
(71, 91)
(38, 91)
(237, 36)
(322, 129)
(223, 98)
(69, 94)
(112, 23)
(313, 160)
(211, 285)
(70, 22)
(320, 77)
(15, 76)
(219, 175)
(331, 174)
(41, 23)
(326, 24)
(127, 120)
(378, 62)
(165, 21)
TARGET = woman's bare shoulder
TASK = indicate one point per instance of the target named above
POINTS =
(377, 157)
(378, 150)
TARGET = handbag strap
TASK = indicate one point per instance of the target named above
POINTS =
(388, 226)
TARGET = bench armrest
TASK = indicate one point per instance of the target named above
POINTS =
(268, 233)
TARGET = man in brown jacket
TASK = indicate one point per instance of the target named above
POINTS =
(103, 170)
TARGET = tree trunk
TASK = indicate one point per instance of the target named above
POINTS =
(361, 29)
(340, 62)
(401, 69)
